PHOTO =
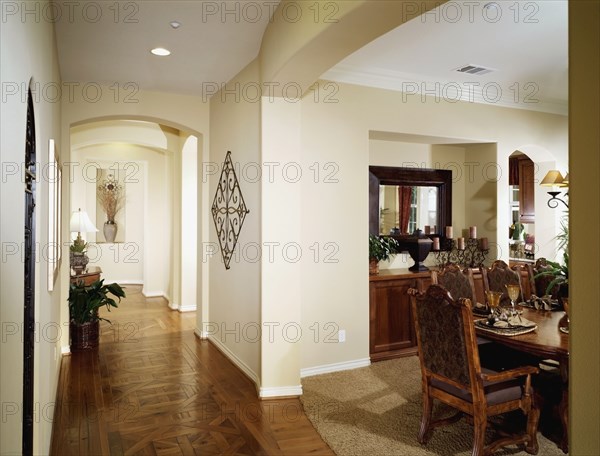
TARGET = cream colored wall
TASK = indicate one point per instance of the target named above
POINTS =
(339, 133)
(234, 294)
(284, 253)
(584, 163)
(28, 52)
(481, 196)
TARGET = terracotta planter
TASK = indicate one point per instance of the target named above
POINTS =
(85, 336)
(373, 267)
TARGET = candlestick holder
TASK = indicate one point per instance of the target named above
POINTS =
(472, 256)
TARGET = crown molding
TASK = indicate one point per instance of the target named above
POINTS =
(472, 91)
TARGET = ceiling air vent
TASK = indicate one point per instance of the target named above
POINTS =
(474, 69)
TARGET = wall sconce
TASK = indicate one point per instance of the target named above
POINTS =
(555, 179)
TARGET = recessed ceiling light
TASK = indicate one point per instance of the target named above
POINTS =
(162, 52)
(175, 24)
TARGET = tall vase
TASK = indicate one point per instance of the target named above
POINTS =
(110, 231)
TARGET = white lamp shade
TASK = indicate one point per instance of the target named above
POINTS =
(81, 223)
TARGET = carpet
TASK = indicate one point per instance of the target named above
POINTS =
(376, 410)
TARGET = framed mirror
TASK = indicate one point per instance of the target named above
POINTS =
(404, 199)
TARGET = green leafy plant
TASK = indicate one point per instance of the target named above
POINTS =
(559, 272)
(84, 301)
(382, 248)
(78, 245)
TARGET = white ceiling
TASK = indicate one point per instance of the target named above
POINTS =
(110, 42)
(527, 45)
(103, 43)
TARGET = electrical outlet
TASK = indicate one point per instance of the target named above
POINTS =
(342, 335)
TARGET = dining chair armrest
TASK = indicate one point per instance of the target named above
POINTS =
(510, 374)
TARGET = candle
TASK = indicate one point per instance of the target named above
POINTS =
(449, 232)
(427, 229)
(484, 243)
(473, 232)
(436, 243)
(461, 243)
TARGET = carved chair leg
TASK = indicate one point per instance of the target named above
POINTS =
(479, 426)
(426, 419)
(533, 418)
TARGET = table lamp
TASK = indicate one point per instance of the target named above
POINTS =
(80, 222)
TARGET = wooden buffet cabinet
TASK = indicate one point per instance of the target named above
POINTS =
(391, 323)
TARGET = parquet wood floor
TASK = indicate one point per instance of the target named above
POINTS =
(154, 388)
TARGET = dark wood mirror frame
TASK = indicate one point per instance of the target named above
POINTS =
(387, 175)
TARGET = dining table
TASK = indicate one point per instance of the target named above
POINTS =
(545, 342)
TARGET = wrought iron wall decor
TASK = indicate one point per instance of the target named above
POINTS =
(472, 256)
(228, 210)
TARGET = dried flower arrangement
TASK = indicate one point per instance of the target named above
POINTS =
(110, 196)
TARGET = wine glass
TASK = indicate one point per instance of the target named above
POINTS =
(493, 299)
(513, 294)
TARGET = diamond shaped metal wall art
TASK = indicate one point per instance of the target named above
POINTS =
(228, 210)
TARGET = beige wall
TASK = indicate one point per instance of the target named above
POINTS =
(27, 53)
(584, 163)
(234, 294)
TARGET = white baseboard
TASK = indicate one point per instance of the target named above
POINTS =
(191, 308)
(279, 391)
(335, 367)
(173, 306)
(201, 334)
(234, 359)
(154, 294)
(125, 282)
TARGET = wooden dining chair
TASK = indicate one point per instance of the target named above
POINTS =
(458, 282)
(527, 277)
(497, 277)
(452, 374)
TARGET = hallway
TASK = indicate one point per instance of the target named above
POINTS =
(154, 388)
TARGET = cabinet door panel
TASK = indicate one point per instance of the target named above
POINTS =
(391, 322)
(526, 191)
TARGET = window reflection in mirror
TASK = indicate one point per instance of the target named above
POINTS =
(403, 209)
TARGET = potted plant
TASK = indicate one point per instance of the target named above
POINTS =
(380, 248)
(84, 302)
(560, 276)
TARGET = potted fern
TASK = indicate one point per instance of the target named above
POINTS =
(84, 302)
(380, 248)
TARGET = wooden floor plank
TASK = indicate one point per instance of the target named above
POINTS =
(154, 388)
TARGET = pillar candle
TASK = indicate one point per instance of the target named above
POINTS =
(449, 233)
(427, 229)
(461, 243)
(436, 243)
(473, 232)
(484, 243)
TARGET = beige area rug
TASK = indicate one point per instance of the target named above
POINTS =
(376, 410)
